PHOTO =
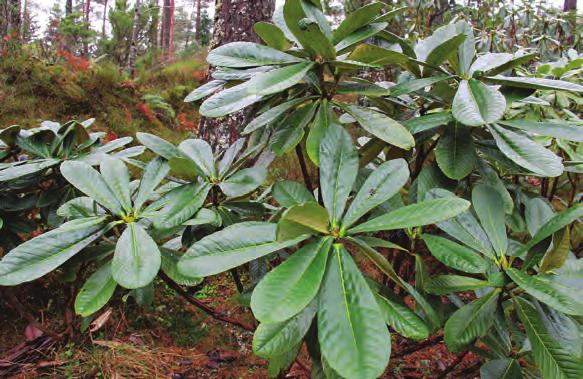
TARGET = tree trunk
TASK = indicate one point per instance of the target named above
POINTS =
(168, 27)
(570, 5)
(9, 17)
(197, 32)
(68, 7)
(234, 21)
(86, 12)
(104, 19)
(134, 42)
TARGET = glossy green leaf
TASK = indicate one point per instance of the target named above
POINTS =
(470, 321)
(351, 330)
(372, 54)
(550, 357)
(477, 104)
(356, 20)
(504, 368)
(448, 284)
(290, 131)
(159, 146)
(154, 173)
(231, 247)
(526, 153)
(43, 254)
(555, 294)
(273, 339)
(200, 152)
(290, 287)
(518, 60)
(305, 218)
(490, 177)
(272, 35)
(96, 292)
(169, 266)
(382, 184)
(307, 31)
(288, 193)
(556, 257)
(86, 179)
(338, 169)
(182, 203)
(28, 168)
(244, 181)
(116, 175)
(455, 152)
(136, 260)
(360, 35)
(455, 255)
(248, 54)
(427, 122)
(205, 90)
(323, 119)
(271, 115)
(229, 101)
(425, 213)
(381, 126)
(490, 211)
(536, 83)
(409, 86)
(555, 129)
(402, 319)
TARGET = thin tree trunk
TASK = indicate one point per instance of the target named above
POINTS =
(197, 32)
(134, 42)
(68, 7)
(168, 27)
(104, 19)
(234, 21)
(570, 5)
(86, 12)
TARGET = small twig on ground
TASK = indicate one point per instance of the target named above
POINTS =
(418, 346)
(200, 305)
(454, 364)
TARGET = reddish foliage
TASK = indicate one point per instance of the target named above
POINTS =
(76, 63)
(147, 111)
(185, 123)
(199, 75)
(111, 136)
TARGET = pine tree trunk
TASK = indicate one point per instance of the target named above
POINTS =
(570, 5)
(134, 42)
(104, 19)
(168, 27)
(86, 17)
(234, 21)
(68, 7)
(198, 9)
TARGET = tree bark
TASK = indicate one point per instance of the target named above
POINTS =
(68, 7)
(10, 19)
(234, 20)
(168, 27)
(134, 42)
(197, 32)
(86, 16)
(570, 5)
(104, 18)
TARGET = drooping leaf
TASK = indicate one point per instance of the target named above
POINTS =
(447, 284)
(548, 128)
(137, 260)
(29, 168)
(556, 257)
(183, 202)
(556, 295)
(338, 169)
(490, 210)
(424, 213)
(402, 319)
(116, 175)
(248, 54)
(353, 337)
(376, 55)
(427, 122)
(272, 115)
(205, 90)
(550, 357)
(454, 255)
(96, 291)
(477, 104)
(290, 287)
(323, 119)
(303, 218)
(409, 86)
(231, 247)
(274, 339)
(536, 83)
(290, 131)
(360, 35)
(383, 183)
(526, 153)
(43, 254)
(357, 19)
(159, 146)
(470, 321)
(455, 152)
(228, 101)
(278, 80)
(381, 126)
(154, 173)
